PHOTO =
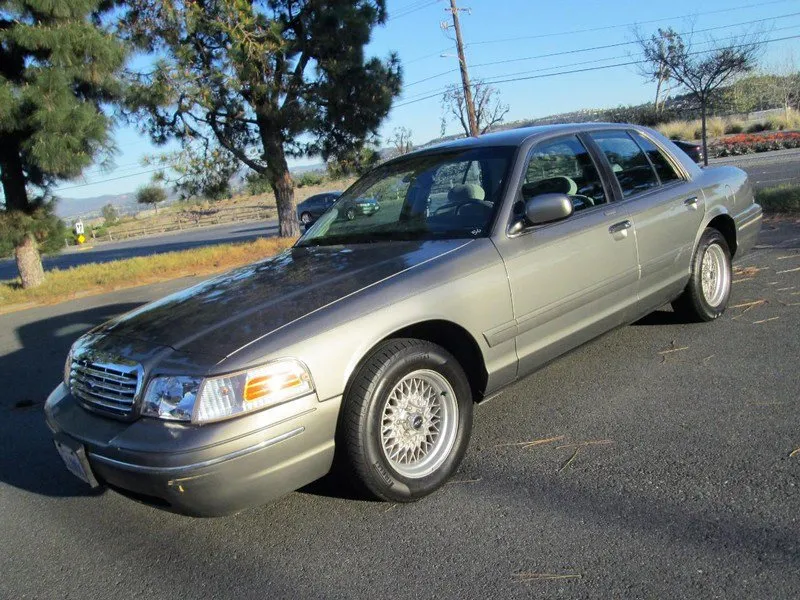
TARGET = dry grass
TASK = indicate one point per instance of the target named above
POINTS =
(679, 130)
(92, 279)
(717, 126)
(784, 121)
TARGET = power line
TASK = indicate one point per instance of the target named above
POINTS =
(619, 57)
(606, 27)
(584, 70)
(594, 48)
(81, 185)
(632, 24)
(412, 8)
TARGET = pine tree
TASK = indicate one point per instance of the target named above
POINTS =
(58, 73)
(263, 80)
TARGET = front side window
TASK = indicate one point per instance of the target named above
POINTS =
(450, 194)
(630, 165)
(666, 172)
(564, 166)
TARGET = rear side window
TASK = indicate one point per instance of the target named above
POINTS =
(665, 170)
(629, 163)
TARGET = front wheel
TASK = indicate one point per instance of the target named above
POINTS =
(406, 419)
(305, 218)
(706, 295)
(350, 213)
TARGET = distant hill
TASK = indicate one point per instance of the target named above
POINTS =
(71, 208)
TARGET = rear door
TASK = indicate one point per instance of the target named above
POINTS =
(574, 279)
(666, 208)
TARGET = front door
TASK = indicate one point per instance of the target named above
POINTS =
(575, 279)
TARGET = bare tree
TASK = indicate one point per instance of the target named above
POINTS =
(786, 82)
(701, 73)
(401, 141)
(489, 110)
(659, 71)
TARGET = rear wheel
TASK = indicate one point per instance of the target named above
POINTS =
(706, 295)
(406, 420)
(305, 218)
(350, 213)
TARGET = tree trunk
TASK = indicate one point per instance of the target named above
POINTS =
(282, 185)
(658, 93)
(703, 130)
(29, 263)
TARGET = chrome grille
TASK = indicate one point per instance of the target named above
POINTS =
(104, 386)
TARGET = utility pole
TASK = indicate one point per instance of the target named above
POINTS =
(462, 61)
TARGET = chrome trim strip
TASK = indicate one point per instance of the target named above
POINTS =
(201, 465)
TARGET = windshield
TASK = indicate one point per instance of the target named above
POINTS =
(453, 194)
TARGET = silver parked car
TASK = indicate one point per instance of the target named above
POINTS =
(372, 338)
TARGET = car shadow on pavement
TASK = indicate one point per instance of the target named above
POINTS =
(661, 317)
(28, 459)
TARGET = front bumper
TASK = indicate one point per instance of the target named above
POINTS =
(203, 470)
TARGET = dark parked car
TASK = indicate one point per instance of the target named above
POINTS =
(311, 209)
(350, 208)
(695, 151)
(372, 338)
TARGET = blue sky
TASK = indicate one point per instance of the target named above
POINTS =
(536, 28)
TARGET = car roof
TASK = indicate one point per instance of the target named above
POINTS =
(516, 137)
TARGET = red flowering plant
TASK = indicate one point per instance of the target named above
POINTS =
(749, 143)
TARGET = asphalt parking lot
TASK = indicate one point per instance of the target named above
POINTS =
(665, 470)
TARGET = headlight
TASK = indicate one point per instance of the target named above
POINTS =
(171, 398)
(247, 391)
(68, 368)
(217, 398)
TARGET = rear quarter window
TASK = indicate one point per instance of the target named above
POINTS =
(631, 167)
(666, 172)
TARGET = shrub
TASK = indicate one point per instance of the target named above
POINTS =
(744, 143)
(310, 178)
(257, 184)
(790, 120)
(783, 198)
(757, 127)
(734, 126)
(110, 214)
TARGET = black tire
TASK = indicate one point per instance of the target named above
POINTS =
(305, 218)
(350, 213)
(363, 421)
(692, 304)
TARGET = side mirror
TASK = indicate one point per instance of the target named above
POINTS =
(547, 208)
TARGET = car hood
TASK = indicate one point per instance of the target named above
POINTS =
(222, 314)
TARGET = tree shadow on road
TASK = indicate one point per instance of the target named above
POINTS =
(28, 459)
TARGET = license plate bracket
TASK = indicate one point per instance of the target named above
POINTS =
(74, 456)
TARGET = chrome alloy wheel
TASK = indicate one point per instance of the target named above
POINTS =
(419, 423)
(714, 275)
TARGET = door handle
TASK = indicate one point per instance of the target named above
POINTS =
(621, 226)
(691, 202)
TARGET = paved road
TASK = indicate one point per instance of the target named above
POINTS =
(690, 492)
(767, 169)
(192, 238)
